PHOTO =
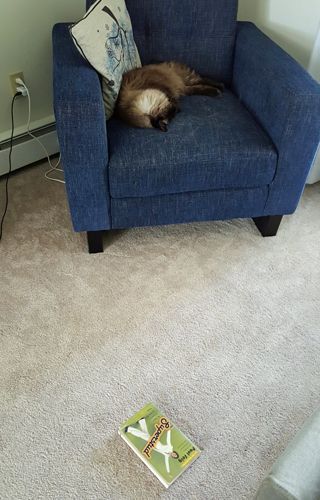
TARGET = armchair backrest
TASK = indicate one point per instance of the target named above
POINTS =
(200, 33)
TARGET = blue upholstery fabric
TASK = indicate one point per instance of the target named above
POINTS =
(199, 33)
(286, 101)
(81, 127)
(188, 207)
(213, 143)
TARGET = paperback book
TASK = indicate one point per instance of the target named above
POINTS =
(159, 443)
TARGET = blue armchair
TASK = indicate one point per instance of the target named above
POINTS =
(246, 155)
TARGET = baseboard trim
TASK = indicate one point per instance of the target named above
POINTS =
(27, 150)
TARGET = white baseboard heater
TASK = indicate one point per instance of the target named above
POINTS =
(27, 150)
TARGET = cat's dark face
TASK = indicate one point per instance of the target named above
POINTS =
(162, 120)
(160, 123)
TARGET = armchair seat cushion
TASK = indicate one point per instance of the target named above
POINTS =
(212, 144)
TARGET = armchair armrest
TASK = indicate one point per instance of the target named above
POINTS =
(81, 127)
(285, 100)
(296, 474)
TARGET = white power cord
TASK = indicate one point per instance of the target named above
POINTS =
(53, 168)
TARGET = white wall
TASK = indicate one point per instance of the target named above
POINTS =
(291, 23)
(25, 45)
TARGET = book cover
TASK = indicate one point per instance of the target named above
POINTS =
(159, 444)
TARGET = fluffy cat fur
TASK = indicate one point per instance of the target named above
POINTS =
(149, 95)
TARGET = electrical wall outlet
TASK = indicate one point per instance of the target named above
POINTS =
(13, 82)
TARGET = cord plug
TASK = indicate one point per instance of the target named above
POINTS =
(22, 91)
(21, 88)
(19, 81)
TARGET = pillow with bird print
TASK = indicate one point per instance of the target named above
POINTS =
(105, 39)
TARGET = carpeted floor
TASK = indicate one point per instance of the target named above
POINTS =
(213, 323)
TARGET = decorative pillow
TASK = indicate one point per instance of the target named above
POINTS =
(105, 39)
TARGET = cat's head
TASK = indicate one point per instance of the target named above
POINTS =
(150, 108)
(154, 109)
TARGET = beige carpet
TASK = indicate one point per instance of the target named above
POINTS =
(213, 323)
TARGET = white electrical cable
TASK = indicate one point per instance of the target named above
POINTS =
(53, 168)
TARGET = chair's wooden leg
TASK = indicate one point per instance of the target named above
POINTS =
(268, 226)
(95, 241)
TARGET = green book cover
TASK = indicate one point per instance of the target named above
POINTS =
(159, 444)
